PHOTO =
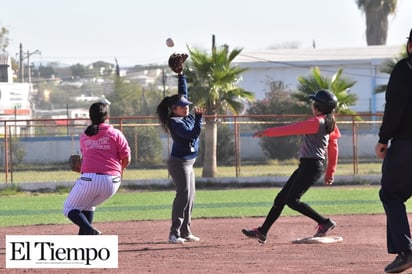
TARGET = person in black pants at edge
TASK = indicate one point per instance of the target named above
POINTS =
(395, 148)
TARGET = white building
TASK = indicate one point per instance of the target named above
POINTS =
(284, 66)
(14, 98)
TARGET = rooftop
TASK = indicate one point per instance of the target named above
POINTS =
(318, 54)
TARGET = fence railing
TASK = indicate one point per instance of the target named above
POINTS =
(35, 143)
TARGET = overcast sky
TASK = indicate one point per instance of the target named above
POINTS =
(85, 31)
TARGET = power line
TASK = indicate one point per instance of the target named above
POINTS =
(311, 66)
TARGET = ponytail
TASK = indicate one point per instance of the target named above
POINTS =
(92, 130)
(165, 110)
(330, 122)
(163, 113)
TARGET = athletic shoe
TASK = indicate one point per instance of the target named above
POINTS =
(192, 238)
(255, 234)
(95, 232)
(173, 239)
(324, 228)
(402, 262)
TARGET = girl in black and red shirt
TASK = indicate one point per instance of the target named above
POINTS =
(319, 143)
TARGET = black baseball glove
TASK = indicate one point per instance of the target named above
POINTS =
(176, 61)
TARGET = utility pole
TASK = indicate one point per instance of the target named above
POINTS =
(21, 69)
(213, 43)
(28, 66)
(28, 61)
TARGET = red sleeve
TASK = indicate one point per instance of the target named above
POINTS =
(309, 126)
(333, 152)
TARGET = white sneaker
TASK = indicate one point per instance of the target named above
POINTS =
(176, 240)
(192, 238)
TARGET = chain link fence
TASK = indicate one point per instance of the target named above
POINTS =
(45, 144)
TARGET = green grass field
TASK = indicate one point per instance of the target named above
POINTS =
(20, 208)
(34, 208)
(273, 168)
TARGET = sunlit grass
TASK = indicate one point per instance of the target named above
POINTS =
(274, 168)
(35, 208)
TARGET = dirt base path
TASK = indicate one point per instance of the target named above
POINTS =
(143, 247)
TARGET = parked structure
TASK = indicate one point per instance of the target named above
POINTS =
(282, 67)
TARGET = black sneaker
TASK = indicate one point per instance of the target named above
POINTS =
(255, 234)
(95, 232)
(324, 228)
(402, 262)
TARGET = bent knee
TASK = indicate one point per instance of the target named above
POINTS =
(294, 203)
(66, 211)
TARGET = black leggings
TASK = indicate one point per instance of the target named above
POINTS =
(308, 172)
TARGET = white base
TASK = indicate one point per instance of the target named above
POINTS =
(318, 240)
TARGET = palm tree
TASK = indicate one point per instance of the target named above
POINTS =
(387, 67)
(213, 83)
(337, 85)
(376, 13)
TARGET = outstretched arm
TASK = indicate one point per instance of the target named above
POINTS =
(309, 126)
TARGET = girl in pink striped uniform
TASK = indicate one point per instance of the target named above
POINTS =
(105, 154)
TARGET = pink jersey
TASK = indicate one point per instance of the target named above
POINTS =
(102, 152)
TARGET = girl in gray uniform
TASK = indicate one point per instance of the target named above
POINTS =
(184, 128)
(320, 138)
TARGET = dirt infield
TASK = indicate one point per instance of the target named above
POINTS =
(143, 247)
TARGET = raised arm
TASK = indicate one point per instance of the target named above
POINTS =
(182, 85)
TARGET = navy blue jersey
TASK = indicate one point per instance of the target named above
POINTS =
(185, 131)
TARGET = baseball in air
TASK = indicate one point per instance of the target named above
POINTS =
(169, 42)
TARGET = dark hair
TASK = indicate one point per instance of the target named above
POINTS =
(326, 102)
(165, 110)
(330, 122)
(98, 113)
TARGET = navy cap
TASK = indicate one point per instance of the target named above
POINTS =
(183, 102)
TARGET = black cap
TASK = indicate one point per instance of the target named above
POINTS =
(410, 36)
(183, 102)
(325, 100)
